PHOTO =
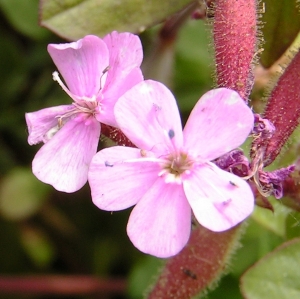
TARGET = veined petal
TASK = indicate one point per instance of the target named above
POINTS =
(119, 177)
(160, 223)
(125, 54)
(81, 64)
(111, 95)
(220, 122)
(125, 58)
(63, 162)
(219, 199)
(41, 122)
(148, 115)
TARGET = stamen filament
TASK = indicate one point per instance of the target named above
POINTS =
(56, 78)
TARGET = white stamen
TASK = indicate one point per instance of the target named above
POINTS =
(56, 78)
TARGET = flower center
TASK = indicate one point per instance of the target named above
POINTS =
(175, 166)
(86, 108)
(85, 105)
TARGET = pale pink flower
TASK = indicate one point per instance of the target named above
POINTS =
(171, 173)
(97, 72)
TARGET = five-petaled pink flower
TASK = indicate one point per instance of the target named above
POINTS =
(97, 72)
(170, 172)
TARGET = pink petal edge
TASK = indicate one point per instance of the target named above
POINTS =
(41, 122)
(110, 97)
(125, 54)
(119, 177)
(148, 115)
(64, 160)
(220, 122)
(160, 223)
(81, 64)
(219, 199)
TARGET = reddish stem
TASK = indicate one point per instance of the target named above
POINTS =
(198, 266)
(116, 135)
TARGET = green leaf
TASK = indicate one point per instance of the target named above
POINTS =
(257, 242)
(73, 19)
(275, 276)
(281, 21)
(23, 15)
(292, 225)
(21, 194)
(142, 274)
(274, 222)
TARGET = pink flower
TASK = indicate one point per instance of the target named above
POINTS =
(171, 173)
(97, 72)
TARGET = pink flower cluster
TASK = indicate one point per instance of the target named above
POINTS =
(97, 72)
(170, 173)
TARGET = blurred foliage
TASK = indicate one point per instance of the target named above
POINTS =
(73, 19)
(43, 231)
(25, 200)
(193, 65)
(276, 275)
(25, 18)
(281, 25)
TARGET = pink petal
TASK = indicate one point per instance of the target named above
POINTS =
(220, 122)
(219, 199)
(40, 123)
(125, 54)
(111, 95)
(160, 224)
(148, 115)
(81, 64)
(63, 162)
(119, 177)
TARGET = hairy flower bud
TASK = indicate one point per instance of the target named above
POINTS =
(235, 41)
(283, 109)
